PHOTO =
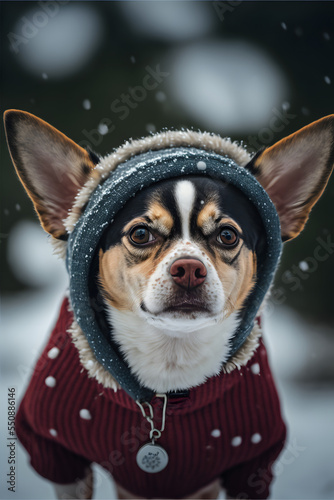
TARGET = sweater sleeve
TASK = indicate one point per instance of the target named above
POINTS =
(252, 479)
(50, 459)
(40, 434)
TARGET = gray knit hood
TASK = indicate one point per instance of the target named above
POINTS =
(118, 177)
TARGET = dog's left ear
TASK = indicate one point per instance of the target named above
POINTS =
(295, 171)
(51, 167)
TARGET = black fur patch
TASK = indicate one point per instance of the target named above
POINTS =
(232, 203)
(251, 164)
(93, 156)
(63, 237)
(85, 169)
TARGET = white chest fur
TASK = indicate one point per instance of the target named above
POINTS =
(165, 363)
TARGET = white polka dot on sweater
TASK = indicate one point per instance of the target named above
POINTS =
(216, 433)
(85, 414)
(256, 438)
(50, 381)
(236, 441)
(53, 432)
(255, 368)
(53, 353)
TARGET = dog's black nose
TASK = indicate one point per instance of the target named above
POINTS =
(188, 273)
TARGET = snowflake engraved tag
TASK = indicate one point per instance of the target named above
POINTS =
(152, 458)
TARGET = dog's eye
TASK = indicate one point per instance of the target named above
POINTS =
(228, 236)
(141, 235)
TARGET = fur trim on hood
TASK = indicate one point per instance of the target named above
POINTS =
(163, 140)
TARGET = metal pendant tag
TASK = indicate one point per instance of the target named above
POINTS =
(152, 458)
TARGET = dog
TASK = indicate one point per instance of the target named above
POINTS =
(170, 279)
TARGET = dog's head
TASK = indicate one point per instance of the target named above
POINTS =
(182, 254)
(180, 259)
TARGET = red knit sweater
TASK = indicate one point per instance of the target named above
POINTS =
(229, 427)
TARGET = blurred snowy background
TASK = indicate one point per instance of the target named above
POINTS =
(105, 71)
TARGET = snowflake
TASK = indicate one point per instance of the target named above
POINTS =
(151, 460)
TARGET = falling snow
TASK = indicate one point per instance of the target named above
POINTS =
(327, 80)
(103, 129)
(151, 128)
(44, 76)
(284, 26)
(303, 265)
(160, 96)
(86, 104)
(53, 432)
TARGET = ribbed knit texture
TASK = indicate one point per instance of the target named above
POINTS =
(62, 443)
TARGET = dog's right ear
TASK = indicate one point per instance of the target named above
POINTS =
(295, 171)
(51, 167)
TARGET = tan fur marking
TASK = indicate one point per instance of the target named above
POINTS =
(237, 282)
(207, 216)
(112, 278)
(230, 222)
(161, 217)
(118, 279)
(134, 222)
(247, 280)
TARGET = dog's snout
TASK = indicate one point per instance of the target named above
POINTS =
(188, 273)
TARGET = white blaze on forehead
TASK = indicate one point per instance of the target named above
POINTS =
(185, 197)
